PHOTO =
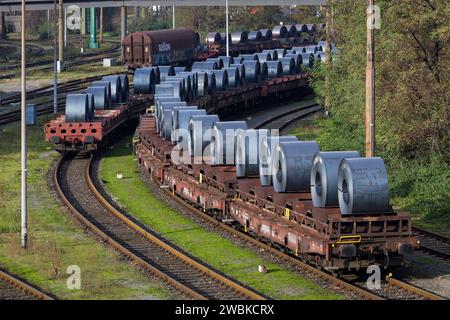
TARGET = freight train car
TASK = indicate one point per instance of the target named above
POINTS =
(160, 47)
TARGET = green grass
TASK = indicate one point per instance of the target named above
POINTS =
(56, 241)
(419, 186)
(240, 263)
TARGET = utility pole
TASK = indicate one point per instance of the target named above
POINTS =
(327, 53)
(23, 128)
(226, 28)
(65, 27)
(370, 81)
(173, 17)
(55, 62)
(101, 25)
(48, 24)
(123, 29)
(60, 36)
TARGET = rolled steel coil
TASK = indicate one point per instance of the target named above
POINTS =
(181, 124)
(273, 54)
(252, 71)
(77, 107)
(213, 37)
(264, 56)
(223, 141)
(227, 61)
(241, 68)
(247, 151)
(178, 88)
(221, 79)
(166, 124)
(299, 50)
(292, 171)
(218, 60)
(162, 108)
(267, 148)
(233, 75)
(281, 52)
(301, 28)
(363, 186)
(202, 84)
(311, 27)
(200, 133)
(308, 60)
(165, 71)
(247, 57)
(224, 38)
(100, 97)
(175, 110)
(156, 71)
(266, 34)
(298, 60)
(125, 85)
(291, 30)
(264, 71)
(179, 69)
(144, 81)
(183, 80)
(323, 44)
(291, 51)
(164, 89)
(319, 56)
(274, 69)
(205, 66)
(310, 49)
(194, 81)
(91, 107)
(288, 64)
(324, 177)
(211, 81)
(116, 88)
(107, 85)
(239, 37)
(160, 100)
(279, 32)
(254, 36)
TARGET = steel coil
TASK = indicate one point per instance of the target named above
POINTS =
(174, 121)
(204, 66)
(291, 30)
(273, 54)
(274, 69)
(298, 60)
(189, 84)
(310, 49)
(224, 38)
(324, 177)
(301, 28)
(125, 85)
(217, 60)
(279, 32)
(200, 133)
(184, 85)
(233, 75)
(291, 51)
(264, 71)
(178, 89)
(292, 170)
(267, 148)
(281, 52)
(247, 151)
(247, 57)
(91, 107)
(319, 56)
(144, 81)
(211, 81)
(77, 107)
(323, 44)
(239, 37)
(223, 141)
(288, 65)
(221, 79)
(179, 69)
(202, 84)
(299, 50)
(181, 123)
(252, 71)
(100, 97)
(266, 34)
(308, 60)
(156, 72)
(241, 68)
(165, 71)
(160, 100)
(107, 85)
(254, 36)
(116, 88)
(264, 56)
(227, 61)
(194, 81)
(213, 38)
(163, 106)
(311, 27)
(363, 186)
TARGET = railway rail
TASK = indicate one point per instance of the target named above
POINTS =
(282, 120)
(148, 250)
(433, 243)
(14, 288)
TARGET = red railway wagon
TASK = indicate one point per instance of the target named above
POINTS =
(89, 136)
(287, 220)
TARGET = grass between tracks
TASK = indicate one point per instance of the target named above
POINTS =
(419, 186)
(56, 241)
(240, 263)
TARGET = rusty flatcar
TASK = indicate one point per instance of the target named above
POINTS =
(160, 47)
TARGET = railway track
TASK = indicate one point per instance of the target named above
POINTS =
(145, 248)
(434, 244)
(14, 288)
(284, 119)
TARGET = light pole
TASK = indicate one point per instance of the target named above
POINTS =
(370, 81)
(55, 62)
(23, 128)
(226, 28)
(173, 17)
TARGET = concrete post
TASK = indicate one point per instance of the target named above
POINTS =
(2, 26)
(83, 21)
(370, 82)
(60, 36)
(101, 25)
(123, 28)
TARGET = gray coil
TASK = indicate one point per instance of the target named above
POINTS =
(252, 71)
(266, 34)
(179, 69)
(292, 170)
(224, 37)
(301, 28)
(267, 152)
(279, 32)
(319, 56)
(324, 177)
(116, 88)
(233, 76)
(100, 97)
(194, 80)
(223, 141)
(273, 54)
(291, 30)
(227, 61)
(165, 71)
(175, 110)
(310, 49)
(274, 69)
(125, 85)
(77, 107)
(241, 68)
(144, 81)
(247, 151)
(211, 81)
(247, 57)
(213, 37)
(239, 37)
(221, 79)
(280, 53)
(307, 60)
(298, 60)
(181, 123)
(107, 85)
(218, 60)
(264, 71)
(311, 27)
(163, 106)
(254, 36)
(91, 107)
(204, 66)
(156, 72)
(263, 57)
(202, 84)
(200, 133)
(288, 64)
(160, 100)
(363, 186)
